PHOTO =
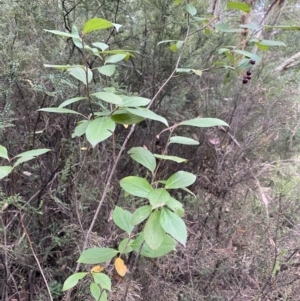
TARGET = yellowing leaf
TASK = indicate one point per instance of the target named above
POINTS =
(120, 267)
(97, 269)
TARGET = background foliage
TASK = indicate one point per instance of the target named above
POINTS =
(243, 226)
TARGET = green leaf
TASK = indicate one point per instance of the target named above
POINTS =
(204, 122)
(103, 280)
(70, 101)
(191, 9)
(134, 101)
(140, 214)
(107, 70)
(173, 225)
(60, 111)
(103, 296)
(183, 70)
(100, 45)
(145, 113)
(239, 5)
(252, 26)
(153, 232)
(34, 152)
(180, 179)
(283, 27)
(79, 73)
(5, 171)
(97, 255)
(271, 43)
(158, 197)
(136, 186)
(95, 290)
(124, 117)
(176, 206)
(225, 28)
(72, 280)
(172, 158)
(59, 67)
(3, 152)
(96, 24)
(197, 72)
(144, 157)
(62, 33)
(22, 160)
(108, 97)
(99, 129)
(81, 128)
(124, 246)
(122, 219)
(183, 140)
(247, 54)
(116, 58)
(177, 2)
(168, 244)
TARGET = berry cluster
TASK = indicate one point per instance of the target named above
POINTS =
(247, 76)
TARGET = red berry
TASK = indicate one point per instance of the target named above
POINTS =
(249, 73)
(245, 81)
(249, 77)
(252, 62)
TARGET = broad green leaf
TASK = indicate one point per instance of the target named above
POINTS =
(283, 27)
(100, 45)
(103, 296)
(116, 58)
(262, 47)
(191, 9)
(3, 152)
(103, 280)
(60, 111)
(176, 206)
(171, 158)
(79, 73)
(97, 255)
(173, 225)
(179, 44)
(183, 140)
(144, 157)
(95, 290)
(247, 54)
(225, 28)
(70, 101)
(122, 219)
(145, 113)
(108, 97)
(111, 90)
(62, 33)
(134, 101)
(153, 232)
(96, 24)
(5, 171)
(252, 26)
(168, 244)
(107, 70)
(34, 152)
(271, 43)
(81, 128)
(136, 186)
(99, 129)
(180, 179)
(72, 280)
(158, 197)
(124, 246)
(239, 5)
(204, 122)
(22, 160)
(124, 117)
(140, 214)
